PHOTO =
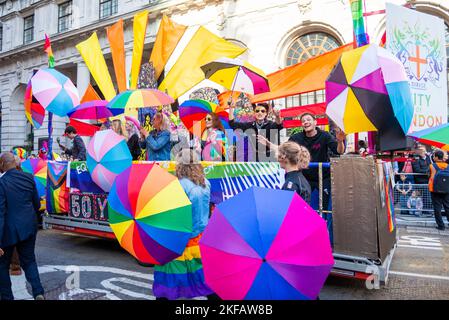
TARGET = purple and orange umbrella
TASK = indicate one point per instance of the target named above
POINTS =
(94, 110)
(266, 244)
(150, 213)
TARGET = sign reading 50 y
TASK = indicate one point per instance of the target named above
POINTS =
(89, 206)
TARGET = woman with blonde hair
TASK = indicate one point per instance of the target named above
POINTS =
(157, 142)
(116, 126)
(294, 158)
(184, 276)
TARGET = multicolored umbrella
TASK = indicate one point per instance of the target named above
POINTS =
(94, 110)
(34, 112)
(238, 75)
(436, 136)
(108, 155)
(266, 244)
(141, 98)
(54, 91)
(368, 90)
(20, 152)
(150, 213)
(194, 112)
(38, 168)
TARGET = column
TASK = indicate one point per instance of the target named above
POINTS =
(82, 78)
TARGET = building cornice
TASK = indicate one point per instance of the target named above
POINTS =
(166, 7)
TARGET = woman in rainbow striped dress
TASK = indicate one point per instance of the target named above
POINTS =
(184, 277)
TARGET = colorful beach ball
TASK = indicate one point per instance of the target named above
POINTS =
(107, 156)
(150, 213)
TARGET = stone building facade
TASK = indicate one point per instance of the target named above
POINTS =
(277, 33)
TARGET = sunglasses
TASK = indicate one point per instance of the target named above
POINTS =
(260, 111)
(208, 118)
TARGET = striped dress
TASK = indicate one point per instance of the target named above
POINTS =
(184, 277)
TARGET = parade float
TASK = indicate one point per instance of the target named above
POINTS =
(106, 196)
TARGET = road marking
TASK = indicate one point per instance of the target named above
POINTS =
(19, 287)
(149, 277)
(109, 285)
(418, 247)
(418, 275)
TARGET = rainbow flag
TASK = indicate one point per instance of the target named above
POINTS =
(49, 51)
(20, 152)
(360, 36)
(57, 190)
(389, 200)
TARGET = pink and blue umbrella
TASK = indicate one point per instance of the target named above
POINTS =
(266, 244)
(54, 91)
(94, 110)
(108, 155)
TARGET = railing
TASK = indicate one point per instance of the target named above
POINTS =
(410, 197)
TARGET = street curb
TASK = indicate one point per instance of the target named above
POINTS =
(428, 224)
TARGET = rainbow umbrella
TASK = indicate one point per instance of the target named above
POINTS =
(193, 112)
(94, 110)
(238, 75)
(107, 156)
(266, 244)
(38, 168)
(150, 213)
(141, 98)
(34, 112)
(436, 136)
(54, 91)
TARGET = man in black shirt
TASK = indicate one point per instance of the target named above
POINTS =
(78, 151)
(260, 127)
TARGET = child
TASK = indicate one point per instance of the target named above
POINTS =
(293, 158)
(184, 277)
(415, 202)
(404, 187)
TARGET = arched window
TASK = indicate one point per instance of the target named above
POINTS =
(310, 45)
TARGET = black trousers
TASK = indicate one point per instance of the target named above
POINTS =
(440, 201)
(27, 262)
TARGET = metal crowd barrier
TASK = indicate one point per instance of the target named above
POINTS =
(417, 200)
(320, 166)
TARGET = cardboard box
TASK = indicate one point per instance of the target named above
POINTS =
(359, 207)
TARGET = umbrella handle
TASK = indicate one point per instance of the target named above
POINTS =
(233, 87)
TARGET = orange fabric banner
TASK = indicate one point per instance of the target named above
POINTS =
(140, 29)
(90, 95)
(307, 76)
(167, 39)
(117, 44)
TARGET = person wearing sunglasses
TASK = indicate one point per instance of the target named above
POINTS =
(157, 142)
(260, 127)
(213, 141)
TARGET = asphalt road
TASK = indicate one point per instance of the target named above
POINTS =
(76, 267)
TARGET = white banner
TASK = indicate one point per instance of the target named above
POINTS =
(418, 40)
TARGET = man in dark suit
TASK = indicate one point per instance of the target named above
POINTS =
(19, 206)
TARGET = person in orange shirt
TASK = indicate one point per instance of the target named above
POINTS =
(439, 200)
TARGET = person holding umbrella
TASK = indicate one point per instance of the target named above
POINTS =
(184, 277)
(157, 142)
(214, 139)
(262, 127)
